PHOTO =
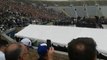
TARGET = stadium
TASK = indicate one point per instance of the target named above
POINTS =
(59, 21)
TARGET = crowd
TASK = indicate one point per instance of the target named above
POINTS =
(95, 22)
(13, 14)
(82, 48)
(11, 18)
(20, 14)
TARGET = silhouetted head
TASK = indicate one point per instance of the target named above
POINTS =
(82, 48)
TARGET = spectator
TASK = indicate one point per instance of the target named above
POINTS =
(44, 53)
(17, 51)
(13, 52)
(98, 22)
(26, 42)
(3, 44)
(24, 53)
(82, 49)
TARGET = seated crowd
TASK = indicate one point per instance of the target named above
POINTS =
(82, 48)
(13, 14)
(20, 14)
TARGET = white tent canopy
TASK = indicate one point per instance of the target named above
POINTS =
(62, 34)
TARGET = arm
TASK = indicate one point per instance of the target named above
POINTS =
(50, 53)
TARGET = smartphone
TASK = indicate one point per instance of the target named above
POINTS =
(48, 43)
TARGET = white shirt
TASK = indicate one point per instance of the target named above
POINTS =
(2, 56)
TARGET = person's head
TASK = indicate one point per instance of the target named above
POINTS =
(13, 52)
(42, 50)
(82, 48)
(96, 17)
(3, 45)
(26, 42)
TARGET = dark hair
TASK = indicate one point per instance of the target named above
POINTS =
(82, 48)
(41, 58)
(3, 43)
(13, 54)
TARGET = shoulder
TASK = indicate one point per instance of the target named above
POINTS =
(2, 56)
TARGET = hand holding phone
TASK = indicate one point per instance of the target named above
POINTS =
(48, 43)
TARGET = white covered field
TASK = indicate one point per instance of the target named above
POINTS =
(64, 34)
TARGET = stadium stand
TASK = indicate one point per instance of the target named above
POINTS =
(15, 15)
